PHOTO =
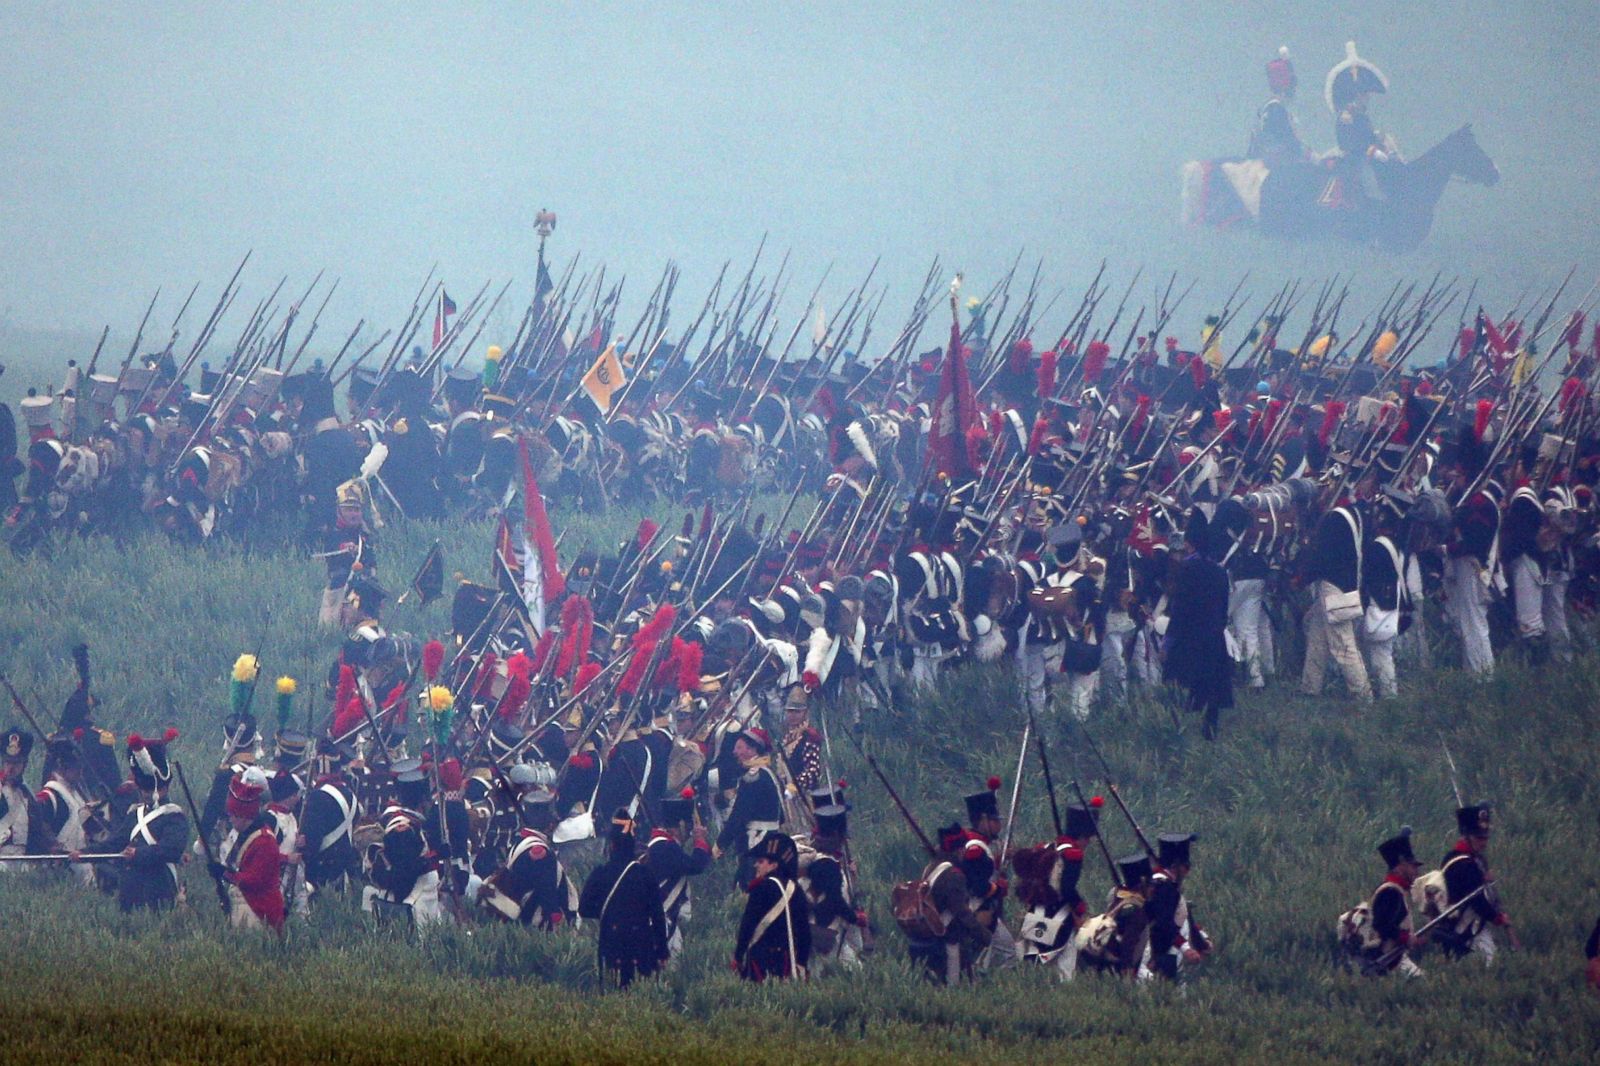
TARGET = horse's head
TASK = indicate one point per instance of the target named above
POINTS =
(1468, 159)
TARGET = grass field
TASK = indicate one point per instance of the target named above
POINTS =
(1289, 805)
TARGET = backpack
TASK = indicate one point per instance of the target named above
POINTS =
(918, 916)
(1356, 933)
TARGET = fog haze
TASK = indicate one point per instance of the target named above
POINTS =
(149, 145)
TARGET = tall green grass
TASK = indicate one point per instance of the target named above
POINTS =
(1289, 804)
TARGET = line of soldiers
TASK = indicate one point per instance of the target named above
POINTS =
(1456, 906)
(1338, 497)
(953, 915)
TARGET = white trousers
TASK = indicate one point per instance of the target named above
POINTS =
(1527, 596)
(1247, 617)
(1380, 663)
(1469, 609)
(1035, 660)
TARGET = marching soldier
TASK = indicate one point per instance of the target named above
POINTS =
(532, 887)
(984, 868)
(463, 449)
(1176, 940)
(328, 822)
(64, 808)
(672, 866)
(1466, 871)
(1118, 940)
(623, 899)
(284, 795)
(17, 818)
(449, 827)
(774, 939)
(252, 864)
(155, 828)
(402, 866)
(1472, 568)
(1391, 911)
(1048, 883)
(1333, 573)
(757, 804)
(240, 750)
(838, 926)
(952, 955)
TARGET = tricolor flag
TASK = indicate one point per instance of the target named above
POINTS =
(605, 379)
(441, 315)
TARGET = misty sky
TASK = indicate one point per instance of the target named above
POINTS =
(152, 144)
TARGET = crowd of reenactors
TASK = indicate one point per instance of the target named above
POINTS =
(1164, 518)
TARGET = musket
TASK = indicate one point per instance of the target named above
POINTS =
(1105, 849)
(311, 331)
(22, 708)
(205, 841)
(1016, 791)
(1111, 787)
(1454, 785)
(905, 812)
(138, 335)
(1387, 959)
(345, 347)
(102, 856)
(176, 319)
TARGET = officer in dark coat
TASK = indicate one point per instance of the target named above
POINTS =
(1196, 648)
(463, 447)
(624, 899)
(1366, 151)
(757, 805)
(412, 470)
(330, 452)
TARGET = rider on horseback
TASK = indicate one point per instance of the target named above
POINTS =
(1369, 160)
(1276, 138)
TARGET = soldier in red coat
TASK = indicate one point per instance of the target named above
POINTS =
(252, 864)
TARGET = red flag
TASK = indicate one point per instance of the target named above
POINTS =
(954, 412)
(537, 538)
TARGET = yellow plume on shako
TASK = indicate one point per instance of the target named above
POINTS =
(241, 692)
(286, 688)
(440, 697)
